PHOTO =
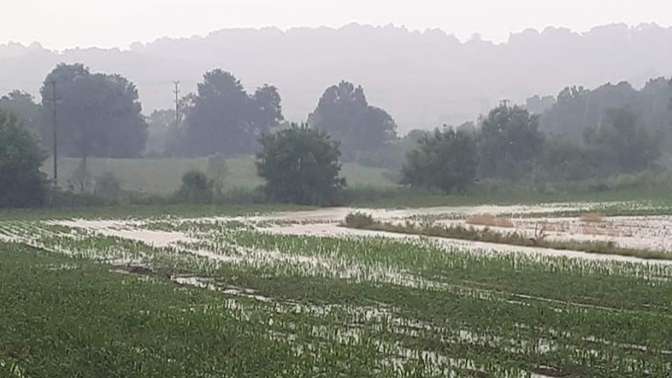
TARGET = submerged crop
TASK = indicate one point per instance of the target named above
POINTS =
(221, 295)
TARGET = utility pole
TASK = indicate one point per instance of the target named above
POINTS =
(177, 103)
(55, 130)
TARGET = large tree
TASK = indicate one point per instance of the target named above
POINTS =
(21, 182)
(509, 143)
(344, 113)
(446, 160)
(97, 114)
(222, 118)
(300, 165)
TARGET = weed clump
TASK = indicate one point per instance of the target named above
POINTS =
(359, 220)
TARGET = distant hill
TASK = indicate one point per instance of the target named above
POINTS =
(423, 79)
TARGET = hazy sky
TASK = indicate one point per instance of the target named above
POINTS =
(116, 23)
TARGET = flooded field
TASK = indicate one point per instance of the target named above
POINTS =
(413, 305)
(645, 232)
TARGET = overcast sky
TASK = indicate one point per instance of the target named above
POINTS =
(117, 23)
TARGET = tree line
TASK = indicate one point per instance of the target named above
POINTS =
(509, 145)
(581, 134)
(100, 115)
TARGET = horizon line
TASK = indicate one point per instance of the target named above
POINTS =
(475, 36)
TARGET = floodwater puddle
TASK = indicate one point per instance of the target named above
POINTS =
(211, 284)
(62, 267)
(131, 230)
(335, 230)
(643, 232)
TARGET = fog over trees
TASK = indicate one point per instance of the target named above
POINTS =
(99, 115)
(344, 113)
(584, 132)
(577, 109)
(510, 141)
(423, 79)
(221, 118)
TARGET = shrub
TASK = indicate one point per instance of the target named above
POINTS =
(196, 188)
(359, 220)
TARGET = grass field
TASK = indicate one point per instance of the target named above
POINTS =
(613, 202)
(163, 176)
(369, 187)
(176, 296)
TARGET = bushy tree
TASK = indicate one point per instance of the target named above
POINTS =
(21, 182)
(300, 165)
(98, 115)
(446, 160)
(266, 111)
(509, 143)
(24, 107)
(344, 113)
(621, 145)
(224, 119)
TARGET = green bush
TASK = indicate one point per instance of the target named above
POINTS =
(196, 188)
(359, 220)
